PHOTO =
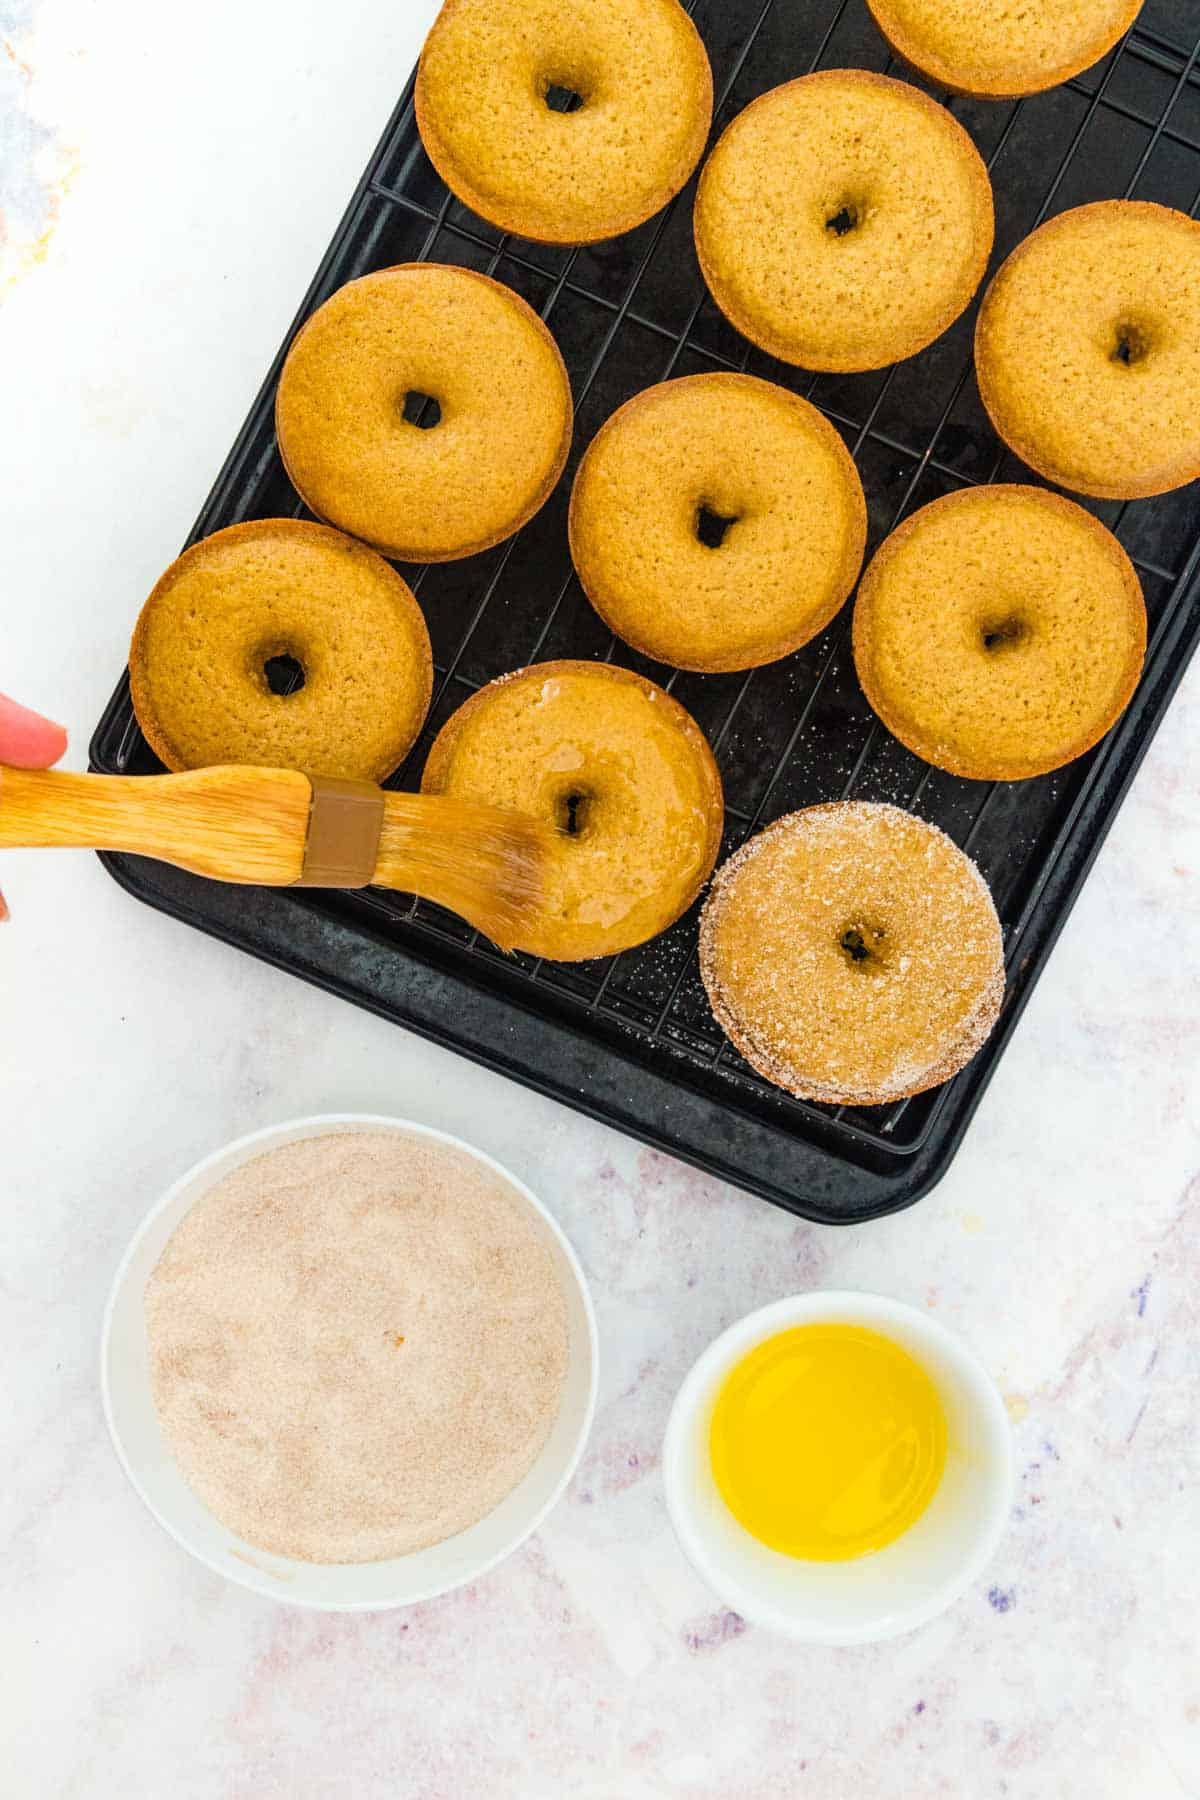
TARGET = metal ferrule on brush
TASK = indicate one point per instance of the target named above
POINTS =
(345, 823)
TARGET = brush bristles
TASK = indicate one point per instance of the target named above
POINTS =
(484, 863)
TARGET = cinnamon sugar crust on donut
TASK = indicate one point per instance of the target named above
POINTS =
(852, 953)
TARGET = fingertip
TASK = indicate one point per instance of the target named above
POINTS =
(27, 739)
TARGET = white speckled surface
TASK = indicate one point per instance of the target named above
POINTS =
(132, 338)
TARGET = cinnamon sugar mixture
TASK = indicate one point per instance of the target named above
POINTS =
(357, 1345)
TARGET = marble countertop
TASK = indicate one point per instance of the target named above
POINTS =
(140, 302)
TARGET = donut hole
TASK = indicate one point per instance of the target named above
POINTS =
(571, 811)
(844, 219)
(711, 525)
(998, 635)
(284, 673)
(1131, 344)
(864, 946)
(561, 97)
(420, 409)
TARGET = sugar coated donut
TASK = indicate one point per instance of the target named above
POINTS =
(974, 47)
(284, 644)
(999, 632)
(708, 559)
(843, 221)
(622, 770)
(564, 123)
(1087, 349)
(853, 954)
(426, 410)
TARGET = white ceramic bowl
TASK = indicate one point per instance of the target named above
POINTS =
(340, 1587)
(872, 1597)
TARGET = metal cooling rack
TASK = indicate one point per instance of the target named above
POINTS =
(634, 311)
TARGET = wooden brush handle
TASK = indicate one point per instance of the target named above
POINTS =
(233, 823)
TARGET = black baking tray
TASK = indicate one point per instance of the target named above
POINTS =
(630, 1040)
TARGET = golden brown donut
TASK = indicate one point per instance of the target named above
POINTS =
(640, 73)
(623, 772)
(768, 482)
(417, 491)
(1087, 349)
(843, 220)
(281, 589)
(972, 47)
(852, 954)
(999, 632)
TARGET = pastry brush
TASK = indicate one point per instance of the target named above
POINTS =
(279, 828)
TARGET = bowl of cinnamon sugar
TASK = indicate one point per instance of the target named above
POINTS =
(349, 1362)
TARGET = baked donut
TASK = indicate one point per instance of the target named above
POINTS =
(622, 770)
(367, 451)
(564, 123)
(276, 605)
(973, 47)
(711, 560)
(1087, 349)
(852, 954)
(999, 632)
(843, 221)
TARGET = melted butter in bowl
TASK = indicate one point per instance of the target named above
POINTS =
(828, 1441)
(838, 1467)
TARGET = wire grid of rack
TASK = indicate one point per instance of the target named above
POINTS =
(633, 311)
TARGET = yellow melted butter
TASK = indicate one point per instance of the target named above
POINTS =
(827, 1441)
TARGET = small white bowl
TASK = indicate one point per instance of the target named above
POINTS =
(872, 1597)
(333, 1587)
